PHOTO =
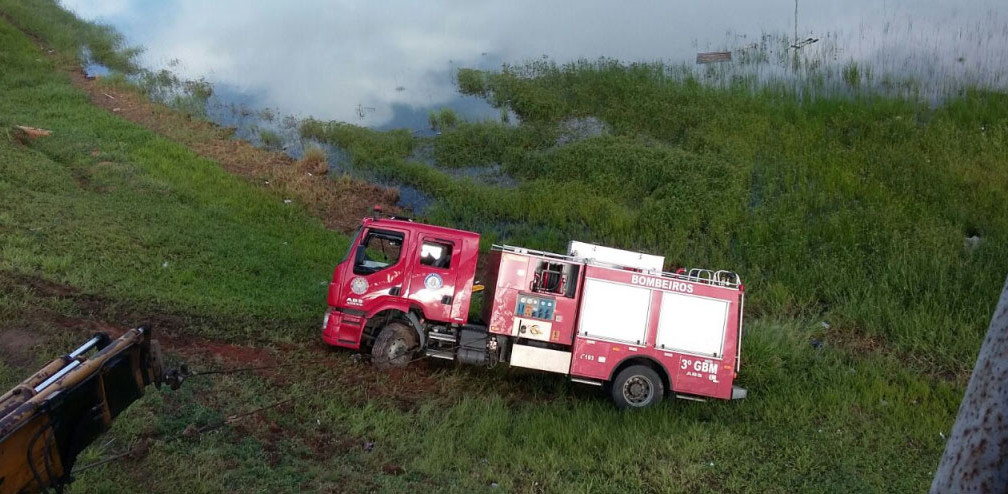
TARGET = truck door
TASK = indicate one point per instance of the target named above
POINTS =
(432, 282)
(379, 269)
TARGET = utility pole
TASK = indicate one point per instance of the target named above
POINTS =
(795, 40)
(976, 455)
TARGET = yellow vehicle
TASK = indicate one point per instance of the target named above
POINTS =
(47, 420)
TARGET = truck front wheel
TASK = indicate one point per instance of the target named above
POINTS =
(394, 346)
(637, 386)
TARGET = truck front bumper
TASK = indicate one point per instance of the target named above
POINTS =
(342, 329)
(330, 327)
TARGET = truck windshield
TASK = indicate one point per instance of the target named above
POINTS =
(381, 249)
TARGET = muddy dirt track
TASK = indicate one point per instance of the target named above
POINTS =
(92, 314)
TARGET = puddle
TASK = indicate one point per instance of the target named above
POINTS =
(92, 68)
(412, 198)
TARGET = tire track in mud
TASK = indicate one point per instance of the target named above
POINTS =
(58, 307)
(85, 313)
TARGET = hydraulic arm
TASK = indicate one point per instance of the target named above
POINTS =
(47, 420)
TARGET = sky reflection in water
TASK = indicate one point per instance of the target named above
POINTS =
(385, 64)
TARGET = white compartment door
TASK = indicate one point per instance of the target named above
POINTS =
(692, 324)
(614, 311)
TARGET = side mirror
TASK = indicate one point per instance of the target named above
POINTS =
(359, 254)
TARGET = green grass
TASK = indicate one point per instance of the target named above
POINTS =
(108, 207)
(817, 421)
(850, 210)
(270, 139)
(442, 119)
(71, 36)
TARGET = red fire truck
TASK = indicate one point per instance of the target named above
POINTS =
(599, 315)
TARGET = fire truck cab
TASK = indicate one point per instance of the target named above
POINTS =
(398, 271)
(599, 315)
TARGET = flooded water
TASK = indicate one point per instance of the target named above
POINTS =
(388, 64)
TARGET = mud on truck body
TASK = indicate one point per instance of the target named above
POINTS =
(598, 315)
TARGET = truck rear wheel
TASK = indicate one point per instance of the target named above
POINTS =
(394, 346)
(637, 386)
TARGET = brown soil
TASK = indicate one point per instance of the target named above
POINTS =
(16, 346)
(94, 309)
(855, 341)
(241, 355)
(90, 313)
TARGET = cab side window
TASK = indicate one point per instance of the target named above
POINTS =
(436, 254)
(378, 250)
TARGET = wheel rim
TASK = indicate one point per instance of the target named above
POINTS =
(638, 390)
(397, 349)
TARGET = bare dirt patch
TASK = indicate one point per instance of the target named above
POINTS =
(243, 355)
(16, 346)
(89, 313)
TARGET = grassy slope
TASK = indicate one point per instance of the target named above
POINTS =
(816, 420)
(63, 31)
(108, 207)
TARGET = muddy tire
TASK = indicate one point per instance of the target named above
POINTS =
(394, 346)
(637, 386)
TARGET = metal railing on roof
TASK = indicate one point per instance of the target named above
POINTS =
(540, 253)
(712, 277)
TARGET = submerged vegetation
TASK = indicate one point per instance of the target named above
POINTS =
(442, 119)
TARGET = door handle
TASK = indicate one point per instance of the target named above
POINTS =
(395, 291)
(447, 300)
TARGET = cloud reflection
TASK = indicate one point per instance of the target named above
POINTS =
(333, 59)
